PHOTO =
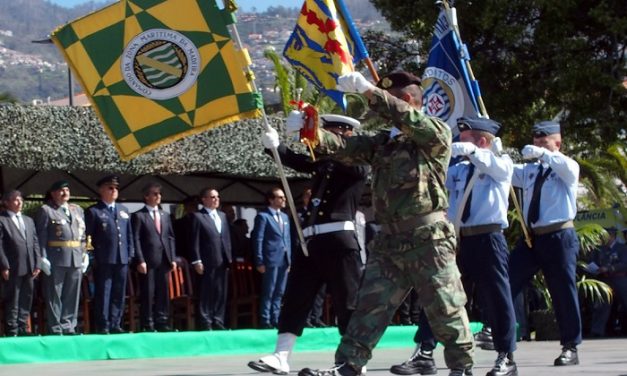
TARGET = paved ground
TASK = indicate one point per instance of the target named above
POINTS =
(597, 357)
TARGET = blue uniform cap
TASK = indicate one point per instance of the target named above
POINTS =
(109, 179)
(478, 124)
(545, 128)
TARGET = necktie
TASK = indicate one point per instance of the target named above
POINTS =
(20, 223)
(534, 206)
(216, 220)
(466, 212)
(157, 218)
(66, 211)
(279, 220)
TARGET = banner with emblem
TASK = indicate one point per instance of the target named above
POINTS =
(449, 91)
(159, 70)
(325, 45)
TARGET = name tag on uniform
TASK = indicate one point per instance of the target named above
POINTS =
(124, 214)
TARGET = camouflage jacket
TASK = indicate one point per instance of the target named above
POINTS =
(409, 171)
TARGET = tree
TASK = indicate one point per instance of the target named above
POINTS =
(536, 60)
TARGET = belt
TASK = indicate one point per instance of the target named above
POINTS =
(412, 223)
(552, 228)
(479, 230)
(64, 243)
(325, 228)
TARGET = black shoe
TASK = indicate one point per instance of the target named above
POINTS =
(461, 372)
(421, 362)
(266, 326)
(163, 328)
(568, 357)
(319, 324)
(148, 329)
(483, 339)
(260, 366)
(339, 370)
(503, 366)
(309, 324)
(117, 330)
(103, 331)
(218, 326)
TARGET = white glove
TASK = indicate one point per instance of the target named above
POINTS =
(45, 266)
(270, 139)
(462, 148)
(496, 146)
(294, 123)
(85, 263)
(353, 82)
(532, 152)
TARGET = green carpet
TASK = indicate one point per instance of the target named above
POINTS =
(181, 344)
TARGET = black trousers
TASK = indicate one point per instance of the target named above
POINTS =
(340, 268)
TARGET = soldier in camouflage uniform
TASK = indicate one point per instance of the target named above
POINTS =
(61, 232)
(416, 245)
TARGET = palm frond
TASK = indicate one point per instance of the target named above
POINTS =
(282, 80)
(590, 236)
(595, 290)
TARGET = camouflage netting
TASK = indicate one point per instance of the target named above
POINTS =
(72, 138)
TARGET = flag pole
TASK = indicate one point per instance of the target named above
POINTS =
(231, 6)
(452, 20)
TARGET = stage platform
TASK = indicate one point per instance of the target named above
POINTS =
(606, 357)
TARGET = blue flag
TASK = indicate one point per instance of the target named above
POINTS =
(449, 91)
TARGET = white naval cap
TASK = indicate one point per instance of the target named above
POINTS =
(333, 120)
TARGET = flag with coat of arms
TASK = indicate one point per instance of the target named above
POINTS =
(325, 45)
(159, 70)
(449, 90)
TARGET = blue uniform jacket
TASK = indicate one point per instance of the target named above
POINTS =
(111, 233)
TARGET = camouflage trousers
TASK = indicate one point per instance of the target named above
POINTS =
(425, 260)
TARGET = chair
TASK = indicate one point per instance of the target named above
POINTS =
(131, 309)
(182, 301)
(243, 295)
(84, 314)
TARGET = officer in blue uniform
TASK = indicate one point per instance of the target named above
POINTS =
(478, 188)
(549, 194)
(109, 225)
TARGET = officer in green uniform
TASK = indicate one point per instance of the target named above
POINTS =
(416, 244)
(61, 232)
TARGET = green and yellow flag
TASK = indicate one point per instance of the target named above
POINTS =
(159, 70)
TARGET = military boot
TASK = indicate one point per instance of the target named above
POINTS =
(421, 362)
(338, 370)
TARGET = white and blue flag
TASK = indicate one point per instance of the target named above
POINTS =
(449, 90)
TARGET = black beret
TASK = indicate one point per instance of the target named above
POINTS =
(58, 185)
(478, 124)
(399, 79)
(109, 179)
(545, 128)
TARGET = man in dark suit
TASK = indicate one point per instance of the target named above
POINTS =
(155, 254)
(61, 232)
(272, 255)
(109, 225)
(211, 251)
(19, 263)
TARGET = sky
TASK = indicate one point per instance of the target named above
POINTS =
(243, 4)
